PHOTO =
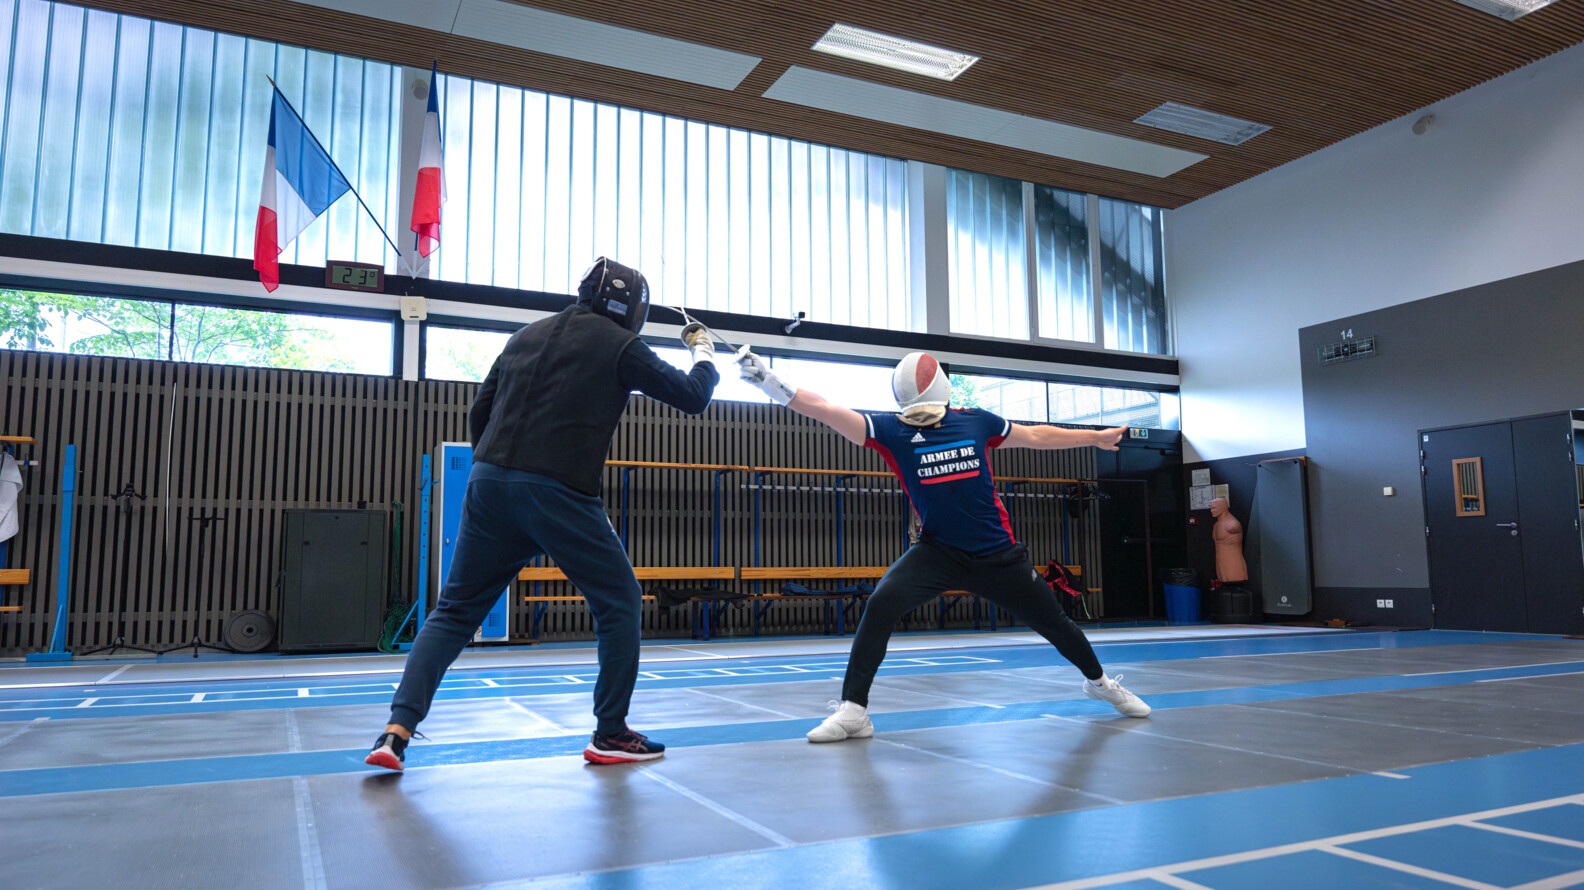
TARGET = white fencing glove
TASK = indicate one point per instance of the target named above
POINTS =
(697, 339)
(755, 371)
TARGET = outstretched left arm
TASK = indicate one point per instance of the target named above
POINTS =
(1050, 437)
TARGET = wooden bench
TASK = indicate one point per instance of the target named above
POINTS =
(836, 605)
(643, 573)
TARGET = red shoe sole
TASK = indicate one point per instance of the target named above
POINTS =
(382, 758)
(601, 757)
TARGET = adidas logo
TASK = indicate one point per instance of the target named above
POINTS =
(917, 437)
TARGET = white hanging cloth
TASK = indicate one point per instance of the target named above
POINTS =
(10, 487)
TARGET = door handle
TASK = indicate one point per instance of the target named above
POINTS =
(1511, 525)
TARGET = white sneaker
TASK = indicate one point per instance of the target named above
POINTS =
(1128, 704)
(851, 721)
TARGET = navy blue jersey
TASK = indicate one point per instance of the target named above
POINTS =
(946, 472)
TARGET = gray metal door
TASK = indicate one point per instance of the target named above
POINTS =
(1475, 541)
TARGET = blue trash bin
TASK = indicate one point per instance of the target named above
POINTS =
(1182, 595)
(1182, 604)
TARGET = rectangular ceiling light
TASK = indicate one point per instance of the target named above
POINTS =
(1202, 124)
(893, 52)
(1511, 10)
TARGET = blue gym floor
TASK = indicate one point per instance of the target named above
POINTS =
(1275, 758)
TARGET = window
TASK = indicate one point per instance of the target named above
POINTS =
(121, 130)
(717, 218)
(461, 353)
(1061, 247)
(1132, 279)
(1010, 398)
(1113, 406)
(89, 325)
(985, 256)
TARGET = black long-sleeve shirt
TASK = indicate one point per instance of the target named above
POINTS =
(552, 399)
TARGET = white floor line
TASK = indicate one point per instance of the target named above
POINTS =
(1547, 838)
(773, 836)
(515, 705)
(998, 770)
(715, 655)
(1316, 844)
(1172, 880)
(21, 729)
(696, 691)
(1405, 868)
(1350, 770)
(962, 701)
(113, 674)
(85, 703)
(308, 837)
(1392, 775)
(1557, 882)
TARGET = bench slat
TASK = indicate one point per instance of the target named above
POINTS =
(781, 573)
(643, 573)
(15, 576)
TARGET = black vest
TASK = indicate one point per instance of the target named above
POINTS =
(558, 399)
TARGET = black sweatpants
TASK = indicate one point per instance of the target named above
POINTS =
(928, 569)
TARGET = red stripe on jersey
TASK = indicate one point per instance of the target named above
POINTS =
(890, 461)
(938, 479)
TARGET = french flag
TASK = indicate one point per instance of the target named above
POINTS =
(300, 182)
(431, 192)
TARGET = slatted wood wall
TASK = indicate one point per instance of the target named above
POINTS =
(245, 444)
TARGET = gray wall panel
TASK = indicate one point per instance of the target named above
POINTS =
(248, 444)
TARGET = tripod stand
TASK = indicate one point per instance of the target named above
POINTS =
(197, 642)
(125, 496)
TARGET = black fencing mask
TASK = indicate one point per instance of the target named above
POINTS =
(617, 292)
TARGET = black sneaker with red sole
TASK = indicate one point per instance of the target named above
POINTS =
(626, 746)
(390, 751)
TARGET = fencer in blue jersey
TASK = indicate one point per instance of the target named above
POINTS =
(941, 457)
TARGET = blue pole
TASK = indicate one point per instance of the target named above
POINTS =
(57, 649)
(425, 483)
(841, 485)
(716, 543)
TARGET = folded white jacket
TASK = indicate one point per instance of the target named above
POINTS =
(10, 487)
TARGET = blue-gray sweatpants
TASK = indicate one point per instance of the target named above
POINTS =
(508, 518)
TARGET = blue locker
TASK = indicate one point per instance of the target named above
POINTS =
(453, 461)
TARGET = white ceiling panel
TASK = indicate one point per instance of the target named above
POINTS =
(435, 15)
(921, 111)
(589, 41)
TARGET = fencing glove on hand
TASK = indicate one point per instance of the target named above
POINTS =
(755, 371)
(697, 339)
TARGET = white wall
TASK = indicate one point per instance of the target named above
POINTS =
(1494, 188)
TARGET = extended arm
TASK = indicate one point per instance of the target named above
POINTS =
(1051, 437)
(846, 421)
(640, 369)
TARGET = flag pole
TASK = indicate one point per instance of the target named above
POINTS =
(309, 130)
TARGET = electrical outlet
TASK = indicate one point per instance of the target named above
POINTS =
(1384, 604)
(1380, 604)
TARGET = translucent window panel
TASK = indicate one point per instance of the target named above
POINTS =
(1132, 277)
(1061, 240)
(860, 387)
(1113, 406)
(716, 217)
(119, 130)
(986, 256)
(461, 353)
(152, 329)
(1008, 397)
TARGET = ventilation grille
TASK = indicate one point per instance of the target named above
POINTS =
(1347, 350)
(1202, 124)
(1511, 10)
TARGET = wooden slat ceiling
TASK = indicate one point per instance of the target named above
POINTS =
(1317, 71)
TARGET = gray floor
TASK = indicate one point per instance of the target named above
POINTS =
(215, 774)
